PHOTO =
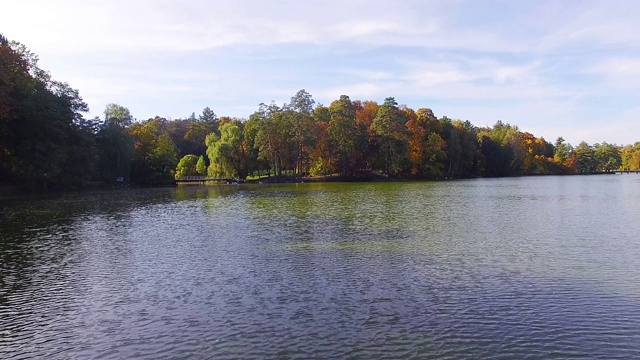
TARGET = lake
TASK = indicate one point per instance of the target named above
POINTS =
(531, 267)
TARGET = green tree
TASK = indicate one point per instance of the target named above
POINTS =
(586, 159)
(187, 166)
(45, 143)
(496, 158)
(201, 166)
(251, 129)
(321, 114)
(208, 115)
(117, 115)
(389, 127)
(302, 105)
(607, 157)
(563, 150)
(275, 137)
(228, 156)
(155, 154)
(454, 149)
(164, 159)
(344, 135)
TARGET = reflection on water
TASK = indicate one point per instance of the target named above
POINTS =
(504, 268)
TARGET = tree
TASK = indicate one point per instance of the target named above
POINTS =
(585, 156)
(228, 155)
(343, 133)
(425, 147)
(115, 144)
(321, 114)
(630, 157)
(115, 114)
(454, 149)
(45, 143)
(275, 137)
(365, 113)
(302, 104)
(322, 161)
(389, 127)
(187, 166)
(496, 158)
(155, 153)
(607, 157)
(201, 166)
(208, 115)
(251, 129)
(164, 158)
(563, 150)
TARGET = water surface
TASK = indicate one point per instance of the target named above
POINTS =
(535, 267)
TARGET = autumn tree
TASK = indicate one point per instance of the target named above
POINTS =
(630, 157)
(426, 147)
(365, 114)
(321, 154)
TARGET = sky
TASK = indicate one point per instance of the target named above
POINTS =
(566, 68)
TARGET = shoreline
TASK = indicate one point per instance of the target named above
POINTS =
(10, 192)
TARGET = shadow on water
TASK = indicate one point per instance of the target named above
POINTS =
(29, 239)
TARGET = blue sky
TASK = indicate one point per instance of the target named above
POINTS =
(569, 68)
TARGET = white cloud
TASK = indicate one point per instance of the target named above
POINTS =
(358, 28)
(592, 26)
(477, 79)
(618, 66)
(529, 57)
(366, 74)
(146, 25)
(617, 74)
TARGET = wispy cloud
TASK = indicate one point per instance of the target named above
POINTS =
(618, 66)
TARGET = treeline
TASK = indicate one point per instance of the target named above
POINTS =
(47, 144)
(352, 138)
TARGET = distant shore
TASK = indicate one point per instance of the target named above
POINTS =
(14, 191)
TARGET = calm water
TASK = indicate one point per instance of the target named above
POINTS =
(539, 267)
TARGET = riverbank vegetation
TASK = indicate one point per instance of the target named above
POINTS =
(47, 144)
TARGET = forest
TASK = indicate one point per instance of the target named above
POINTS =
(46, 143)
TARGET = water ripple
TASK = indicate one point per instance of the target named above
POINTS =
(527, 268)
